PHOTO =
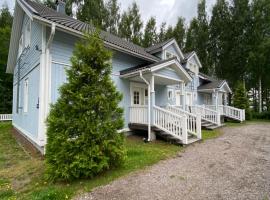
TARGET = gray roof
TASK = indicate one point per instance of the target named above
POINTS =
(209, 78)
(157, 47)
(69, 22)
(187, 55)
(141, 67)
(212, 85)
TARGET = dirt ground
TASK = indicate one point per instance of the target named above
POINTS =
(235, 165)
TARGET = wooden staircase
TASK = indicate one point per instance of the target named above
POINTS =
(210, 125)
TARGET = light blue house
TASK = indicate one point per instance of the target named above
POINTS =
(163, 90)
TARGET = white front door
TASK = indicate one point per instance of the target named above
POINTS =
(178, 98)
(188, 99)
(139, 96)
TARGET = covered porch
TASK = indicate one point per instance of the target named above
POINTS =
(152, 93)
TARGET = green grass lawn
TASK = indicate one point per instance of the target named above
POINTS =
(21, 176)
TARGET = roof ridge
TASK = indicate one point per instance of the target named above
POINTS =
(59, 18)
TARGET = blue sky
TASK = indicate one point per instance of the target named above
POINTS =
(164, 10)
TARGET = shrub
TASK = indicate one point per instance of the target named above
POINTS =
(262, 115)
(82, 125)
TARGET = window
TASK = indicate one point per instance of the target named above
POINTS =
(145, 96)
(170, 94)
(168, 55)
(20, 46)
(27, 35)
(136, 98)
(25, 95)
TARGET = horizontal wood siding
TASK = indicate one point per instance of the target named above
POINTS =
(28, 121)
(32, 56)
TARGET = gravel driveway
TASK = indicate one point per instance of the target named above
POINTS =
(233, 166)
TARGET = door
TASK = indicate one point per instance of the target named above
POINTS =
(189, 99)
(178, 98)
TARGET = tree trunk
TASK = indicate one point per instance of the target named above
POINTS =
(260, 95)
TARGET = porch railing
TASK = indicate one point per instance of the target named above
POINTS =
(138, 114)
(229, 111)
(206, 114)
(172, 123)
(5, 117)
(193, 121)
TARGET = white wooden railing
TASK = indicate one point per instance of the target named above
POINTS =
(171, 123)
(206, 114)
(5, 117)
(233, 112)
(229, 111)
(138, 114)
(193, 121)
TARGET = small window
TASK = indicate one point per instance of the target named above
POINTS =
(27, 35)
(20, 46)
(136, 98)
(146, 92)
(170, 94)
(25, 95)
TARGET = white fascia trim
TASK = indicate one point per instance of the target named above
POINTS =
(128, 75)
(61, 63)
(26, 10)
(227, 85)
(167, 77)
(210, 90)
(176, 45)
(174, 61)
(80, 34)
(197, 58)
(28, 136)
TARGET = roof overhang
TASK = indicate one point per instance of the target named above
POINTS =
(174, 64)
(20, 9)
(225, 87)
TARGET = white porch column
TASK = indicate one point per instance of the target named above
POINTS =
(225, 99)
(153, 101)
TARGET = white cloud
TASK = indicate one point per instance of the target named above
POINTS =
(164, 10)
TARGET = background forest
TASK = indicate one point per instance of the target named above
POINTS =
(232, 42)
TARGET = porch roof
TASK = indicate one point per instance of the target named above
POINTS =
(171, 62)
(216, 84)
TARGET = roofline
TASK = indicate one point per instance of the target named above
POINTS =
(157, 67)
(80, 34)
(19, 4)
(225, 82)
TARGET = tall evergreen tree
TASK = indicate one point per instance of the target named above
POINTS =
(92, 12)
(150, 33)
(130, 27)
(162, 32)
(179, 32)
(5, 79)
(219, 48)
(113, 16)
(169, 33)
(202, 41)
(191, 36)
(82, 125)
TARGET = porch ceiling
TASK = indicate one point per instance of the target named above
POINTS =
(159, 80)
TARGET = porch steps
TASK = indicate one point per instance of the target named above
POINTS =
(170, 138)
(210, 126)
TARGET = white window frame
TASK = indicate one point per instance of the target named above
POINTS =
(170, 55)
(25, 95)
(20, 45)
(170, 91)
(27, 34)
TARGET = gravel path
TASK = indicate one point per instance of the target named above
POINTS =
(233, 166)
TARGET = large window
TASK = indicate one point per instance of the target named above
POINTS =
(25, 95)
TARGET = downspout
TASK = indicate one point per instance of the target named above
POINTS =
(149, 107)
(47, 80)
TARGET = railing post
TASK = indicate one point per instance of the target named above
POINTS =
(218, 118)
(185, 133)
(198, 126)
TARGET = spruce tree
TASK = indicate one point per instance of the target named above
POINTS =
(82, 137)
(150, 33)
(240, 99)
(180, 32)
